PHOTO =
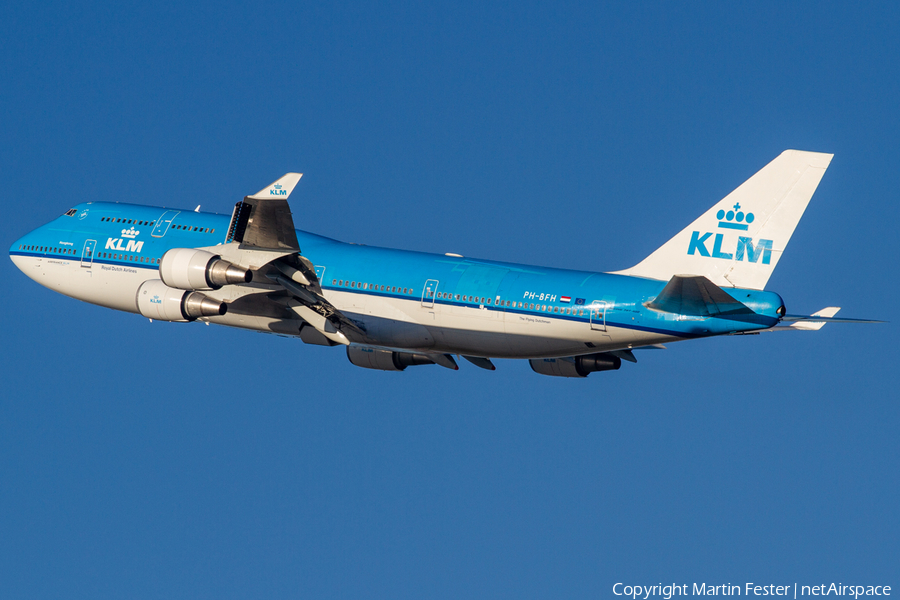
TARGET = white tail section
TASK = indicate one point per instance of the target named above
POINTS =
(280, 189)
(738, 242)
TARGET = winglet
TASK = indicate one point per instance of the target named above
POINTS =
(279, 189)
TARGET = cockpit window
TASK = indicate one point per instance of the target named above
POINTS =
(71, 212)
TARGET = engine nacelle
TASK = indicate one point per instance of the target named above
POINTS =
(575, 366)
(191, 269)
(385, 360)
(156, 300)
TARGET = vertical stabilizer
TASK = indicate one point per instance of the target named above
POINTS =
(739, 241)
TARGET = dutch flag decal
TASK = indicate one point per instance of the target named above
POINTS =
(565, 299)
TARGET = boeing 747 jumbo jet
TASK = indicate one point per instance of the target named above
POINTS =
(392, 309)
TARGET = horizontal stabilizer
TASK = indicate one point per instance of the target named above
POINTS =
(804, 323)
(696, 295)
(817, 320)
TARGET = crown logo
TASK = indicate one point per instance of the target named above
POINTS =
(130, 233)
(734, 219)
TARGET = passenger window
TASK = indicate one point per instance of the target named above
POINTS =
(489, 300)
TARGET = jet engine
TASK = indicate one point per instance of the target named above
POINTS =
(575, 366)
(191, 269)
(385, 360)
(156, 300)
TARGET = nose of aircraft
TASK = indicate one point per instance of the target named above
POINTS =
(17, 251)
(29, 251)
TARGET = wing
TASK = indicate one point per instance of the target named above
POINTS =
(261, 236)
(264, 220)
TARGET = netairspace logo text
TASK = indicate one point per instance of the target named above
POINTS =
(667, 592)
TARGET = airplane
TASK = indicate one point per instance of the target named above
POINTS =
(393, 309)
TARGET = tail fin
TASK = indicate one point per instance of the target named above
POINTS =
(738, 242)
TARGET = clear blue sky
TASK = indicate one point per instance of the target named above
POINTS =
(159, 460)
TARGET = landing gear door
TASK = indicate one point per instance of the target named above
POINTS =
(87, 254)
(428, 293)
(163, 222)
(598, 315)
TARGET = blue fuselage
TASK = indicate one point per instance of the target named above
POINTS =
(454, 304)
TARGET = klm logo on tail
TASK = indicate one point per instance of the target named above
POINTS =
(277, 190)
(733, 219)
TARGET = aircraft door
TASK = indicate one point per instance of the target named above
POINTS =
(428, 293)
(597, 309)
(87, 254)
(163, 222)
